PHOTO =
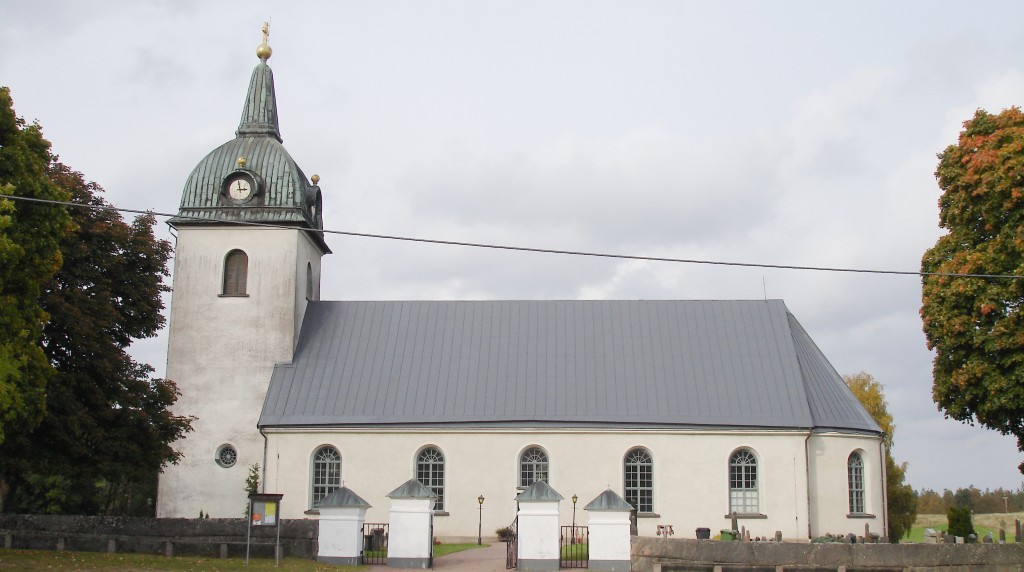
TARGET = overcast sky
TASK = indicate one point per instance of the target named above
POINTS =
(782, 132)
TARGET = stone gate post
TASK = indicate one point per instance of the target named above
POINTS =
(609, 524)
(411, 526)
(538, 528)
(342, 514)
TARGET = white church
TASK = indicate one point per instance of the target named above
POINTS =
(691, 410)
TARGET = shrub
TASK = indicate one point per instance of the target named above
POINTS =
(959, 519)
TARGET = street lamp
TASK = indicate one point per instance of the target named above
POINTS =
(480, 522)
(1006, 505)
(574, 499)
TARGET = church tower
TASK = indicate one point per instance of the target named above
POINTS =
(247, 260)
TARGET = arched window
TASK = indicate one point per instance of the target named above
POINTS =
(236, 270)
(743, 483)
(855, 480)
(639, 480)
(309, 280)
(430, 472)
(326, 476)
(533, 466)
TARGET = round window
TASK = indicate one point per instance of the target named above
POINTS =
(226, 456)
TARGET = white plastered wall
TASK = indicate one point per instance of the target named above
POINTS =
(828, 453)
(221, 353)
(690, 473)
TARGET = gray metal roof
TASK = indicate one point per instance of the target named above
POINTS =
(343, 497)
(412, 489)
(608, 501)
(539, 491)
(639, 363)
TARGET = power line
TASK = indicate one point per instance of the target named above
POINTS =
(527, 248)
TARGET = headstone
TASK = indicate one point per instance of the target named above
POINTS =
(1017, 536)
(988, 539)
(1002, 536)
(778, 536)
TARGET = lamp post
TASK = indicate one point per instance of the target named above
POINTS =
(1006, 505)
(574, 499)
(480, 521)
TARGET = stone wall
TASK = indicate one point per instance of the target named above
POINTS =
(672, 555)
(214, 537)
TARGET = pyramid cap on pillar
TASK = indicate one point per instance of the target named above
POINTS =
(539, 491)
(412, 489)
(609, 501)
(343, 497)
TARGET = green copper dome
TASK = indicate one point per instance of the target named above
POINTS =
(281, 192)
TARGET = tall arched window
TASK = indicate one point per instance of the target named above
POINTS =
(638, 469)
(430, 472)
(855, 480)
(236, 270)
(743, 483)
(326, 475)
(533, 466)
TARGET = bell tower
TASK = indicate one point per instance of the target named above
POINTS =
(247, 260)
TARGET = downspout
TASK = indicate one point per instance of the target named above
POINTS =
(263, 479)
(807, 483)
(885, 490)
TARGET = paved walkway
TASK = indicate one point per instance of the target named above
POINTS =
(489, 559)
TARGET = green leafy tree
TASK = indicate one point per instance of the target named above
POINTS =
(108, 428)
(975, 325)
(902, 500)
(29, 256)
(252, 485)
(959, 522)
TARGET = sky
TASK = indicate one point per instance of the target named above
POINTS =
(785, 132)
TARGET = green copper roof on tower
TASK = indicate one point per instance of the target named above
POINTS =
(259, 116)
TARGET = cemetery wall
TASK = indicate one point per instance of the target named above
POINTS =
(213, 537)
(673, 555)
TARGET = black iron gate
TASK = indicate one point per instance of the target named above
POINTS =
(574, 551)
(512, 546)
(375, 543)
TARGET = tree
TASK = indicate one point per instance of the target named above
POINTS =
(901, 509)
(29, 256)
(975, 325)
(107, 429)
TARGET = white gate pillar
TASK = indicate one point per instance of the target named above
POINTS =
(538, 528)
(342, 514)
(609, 526)
(411, 526)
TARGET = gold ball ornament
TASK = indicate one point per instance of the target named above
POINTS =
(315, 179)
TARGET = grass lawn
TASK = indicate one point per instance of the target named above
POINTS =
(576, 552)
(17, 560)
(11, 560)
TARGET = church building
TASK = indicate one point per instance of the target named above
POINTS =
(691, 410)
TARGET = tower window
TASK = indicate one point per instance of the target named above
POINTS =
(309, 281)
(236, 271)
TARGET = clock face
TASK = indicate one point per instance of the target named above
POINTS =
(239, 188)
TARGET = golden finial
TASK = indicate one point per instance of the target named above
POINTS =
(241, 162)
(315, 179)
(263, 52)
